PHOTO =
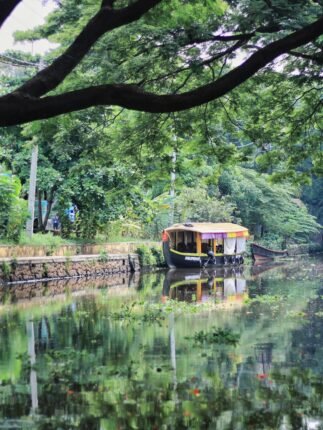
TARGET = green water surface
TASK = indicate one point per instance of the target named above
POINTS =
(140, 355)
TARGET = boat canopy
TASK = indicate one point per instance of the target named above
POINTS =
(209, 230)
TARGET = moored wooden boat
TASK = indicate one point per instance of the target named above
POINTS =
(204, 244)
(261, 253)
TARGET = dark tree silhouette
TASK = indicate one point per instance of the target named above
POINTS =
(31, 102)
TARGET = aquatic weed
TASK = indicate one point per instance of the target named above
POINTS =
(223, 336)
(296, 314)
(265, 299)
(177, 307)
(132, 313)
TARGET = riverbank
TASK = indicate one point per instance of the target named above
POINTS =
(26, 251)
(77, 266)
(20, 264)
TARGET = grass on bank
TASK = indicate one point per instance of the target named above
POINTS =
(48, 239)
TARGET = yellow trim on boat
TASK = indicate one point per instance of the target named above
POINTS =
(190, 254)
(187, 282)
(193, 281)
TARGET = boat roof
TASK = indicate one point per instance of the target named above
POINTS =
(208, 227)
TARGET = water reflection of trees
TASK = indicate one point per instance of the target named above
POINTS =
(95, 373)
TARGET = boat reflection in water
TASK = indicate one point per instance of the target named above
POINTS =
(205, 285)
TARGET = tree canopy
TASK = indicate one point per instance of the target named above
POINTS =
(13, 209)
(162, 56)
(115, 164)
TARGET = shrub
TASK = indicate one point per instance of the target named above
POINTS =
(159, 256)
(103, 258)
(146, 257)
(6, 270)
(13, 209)
(272, 240)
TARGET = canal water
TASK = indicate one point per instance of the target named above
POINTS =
(224, 349)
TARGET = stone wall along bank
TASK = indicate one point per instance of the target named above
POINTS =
(38, 268)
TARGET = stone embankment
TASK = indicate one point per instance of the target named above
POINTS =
(21, 292)
(14, 270)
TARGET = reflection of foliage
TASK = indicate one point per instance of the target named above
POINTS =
(270, 302)
(133, 314)
(216, 335)
(117, 398)
(102, 372)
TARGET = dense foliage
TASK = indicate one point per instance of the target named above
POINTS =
(270, 210)
(115, 165)
(13, 209)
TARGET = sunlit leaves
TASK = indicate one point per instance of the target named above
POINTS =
(13, 209)
(195, 204)
(268, 206)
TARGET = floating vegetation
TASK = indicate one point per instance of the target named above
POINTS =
(134, 313)
(156, 312)
(126, 312)
(266, 303)
(296, 314)
(177, 307)
(220, 336)
(120, 357)
(265, 299)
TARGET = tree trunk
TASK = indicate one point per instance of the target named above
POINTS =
(50, 202)
(40, 214)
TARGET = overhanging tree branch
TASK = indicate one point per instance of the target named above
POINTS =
(317, 58)
(6, 7)
(232, 37)
(205, 62)
(20, 107)
(105, 20)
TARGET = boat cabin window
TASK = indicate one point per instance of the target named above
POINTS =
(207, 245)
(219, 246)
(183, 241)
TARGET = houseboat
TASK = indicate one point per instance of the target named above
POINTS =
(204, 244)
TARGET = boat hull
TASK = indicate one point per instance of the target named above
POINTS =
(261, 253)
(176, 259)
